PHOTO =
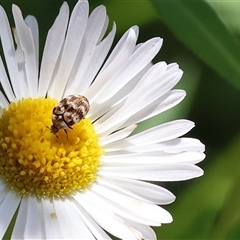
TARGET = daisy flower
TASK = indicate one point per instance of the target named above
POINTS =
(93, 177)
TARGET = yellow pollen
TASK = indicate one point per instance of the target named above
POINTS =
(35, 161)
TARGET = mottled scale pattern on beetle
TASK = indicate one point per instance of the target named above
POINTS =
(69, 111)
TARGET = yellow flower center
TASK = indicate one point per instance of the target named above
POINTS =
(35, 161)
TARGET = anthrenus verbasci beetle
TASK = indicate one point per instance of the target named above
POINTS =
(69, 111)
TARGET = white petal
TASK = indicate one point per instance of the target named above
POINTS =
(116, 146)
(20, 59)
(96, 26)
(143, 191)
(76, 28)
(90, 65)
(51, 225)
(52, 49)
(3, 101)
(33, 25)
(172, 146)
(146, 231)
(102, 111)
(136, 62)
(158, 76)
(163, 132)
(171, 99)
(28, 223)
(117, 58)
(126, 117)
(97, 231)
(110, 111)
(34, 223)
(163, 172)
(167, 101)
(70, 221)
(149, 158)
(130, 208)
(2, 185)
(5, 83)
(8, 206)
(106, 218)
(19, 86)
(134, 103)
(121, 134)
(27, 45)
(3, 191)
(123, 49)
(19, 226)
(158, 134)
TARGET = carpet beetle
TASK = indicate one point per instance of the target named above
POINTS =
(69, 111)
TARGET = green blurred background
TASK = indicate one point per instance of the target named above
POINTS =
(203, 38)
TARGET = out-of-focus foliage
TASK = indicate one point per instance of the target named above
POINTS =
(203, 38)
